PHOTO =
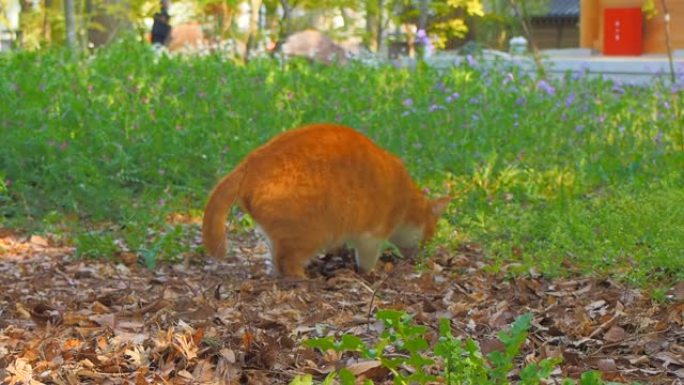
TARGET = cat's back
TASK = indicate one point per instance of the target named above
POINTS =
(315, 147)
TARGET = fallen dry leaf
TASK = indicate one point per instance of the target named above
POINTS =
(68, 321)
(615, 334)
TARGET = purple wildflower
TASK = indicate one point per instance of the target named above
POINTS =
(520, 101)
(471, 60)
(435, 107)
(440, 86)
(570, 99)
(543, 85)
(617, 88)
(452, 97)
(422, 39)
(509, 78)
(579, 128)
(408, 102)
(162, 202)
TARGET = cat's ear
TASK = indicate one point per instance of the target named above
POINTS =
(439, 205)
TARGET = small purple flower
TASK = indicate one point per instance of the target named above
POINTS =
(162, 202)
(621, 129)
(569, 100)
(473, 100)
(666, 105)
(520, 101)
(452, 97)
(422, 39)
(435, 107)
(408, 102)
(426, 190)
(543, 85)
(617, 88)
(471, 60)
(601, 119)
(509, 78)
(440, 86)
(579, 128)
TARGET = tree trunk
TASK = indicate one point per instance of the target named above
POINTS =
(108, 24)
(47, 28)
(250, 44)
(380, 29)
(371, 26)
(424, 8)
(70, 20)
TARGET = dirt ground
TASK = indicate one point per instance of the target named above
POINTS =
(69, 321)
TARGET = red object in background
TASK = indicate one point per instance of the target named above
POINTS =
(622, 31)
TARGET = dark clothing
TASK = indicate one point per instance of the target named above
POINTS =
(161, 29)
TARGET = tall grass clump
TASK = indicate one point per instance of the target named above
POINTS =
(581, 172)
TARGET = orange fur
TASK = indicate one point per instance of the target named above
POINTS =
(318, 187)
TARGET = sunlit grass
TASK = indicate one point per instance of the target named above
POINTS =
(579, 173)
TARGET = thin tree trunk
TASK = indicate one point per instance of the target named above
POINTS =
(255, 5)
(47, 28)
(70, 20)
(423, 6)
(521, 13)
(285, 27)
(378, 38)
(668, 41)
(370, 30)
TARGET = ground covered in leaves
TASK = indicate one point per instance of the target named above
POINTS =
(68, 321)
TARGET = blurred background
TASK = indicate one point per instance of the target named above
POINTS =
(386, 26)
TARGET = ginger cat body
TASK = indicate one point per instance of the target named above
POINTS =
(318, 187)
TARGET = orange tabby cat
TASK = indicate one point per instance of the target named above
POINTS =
(318, 187)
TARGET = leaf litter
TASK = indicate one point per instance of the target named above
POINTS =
(70, 321)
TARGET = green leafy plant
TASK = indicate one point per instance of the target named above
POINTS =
(462, 362)
(406, 340)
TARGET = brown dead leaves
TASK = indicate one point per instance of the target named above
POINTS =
(64, 321)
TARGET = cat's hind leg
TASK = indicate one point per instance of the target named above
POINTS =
(291, 257)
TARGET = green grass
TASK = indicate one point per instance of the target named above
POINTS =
(588, 174)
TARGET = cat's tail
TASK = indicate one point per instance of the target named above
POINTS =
(220, 201)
